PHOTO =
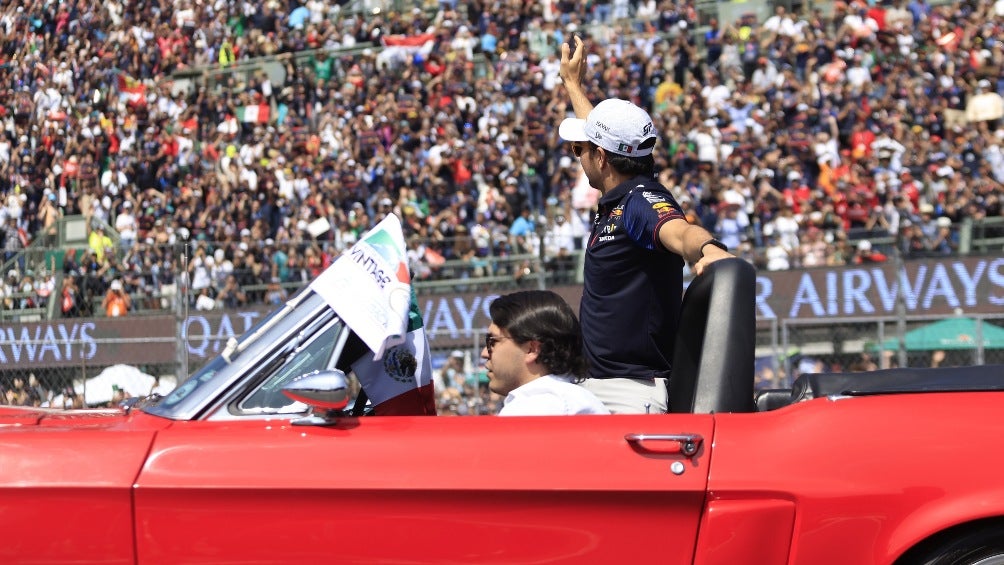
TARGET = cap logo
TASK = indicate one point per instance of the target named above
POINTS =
(624, 148)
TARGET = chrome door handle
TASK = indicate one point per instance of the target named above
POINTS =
(688, 444)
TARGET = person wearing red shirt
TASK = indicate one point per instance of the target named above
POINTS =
(861, 141)
(909, 188)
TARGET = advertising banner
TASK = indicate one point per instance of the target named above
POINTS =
(943, 287)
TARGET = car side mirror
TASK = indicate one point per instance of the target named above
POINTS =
(326, 392)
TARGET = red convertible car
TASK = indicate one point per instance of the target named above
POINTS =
(257, 459)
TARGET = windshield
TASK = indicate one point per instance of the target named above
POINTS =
(258, 352)
(209, 370)
(313, 356)
(204, 375)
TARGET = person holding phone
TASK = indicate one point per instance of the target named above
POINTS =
(633, 274)
(116, 302)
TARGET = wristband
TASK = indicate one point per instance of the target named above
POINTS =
(714, 242)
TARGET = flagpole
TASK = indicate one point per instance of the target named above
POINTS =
(900, 302)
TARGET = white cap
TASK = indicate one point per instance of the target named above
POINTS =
(864, 245)
(734, 198)
(116, 285)
(617, 126)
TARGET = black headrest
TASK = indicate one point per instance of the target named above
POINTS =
(713, 361)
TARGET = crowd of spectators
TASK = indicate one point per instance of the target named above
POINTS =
(797, 138)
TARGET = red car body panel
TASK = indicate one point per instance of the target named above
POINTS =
(870, 476)
(421, 490)
(69, 475)
(746, 531)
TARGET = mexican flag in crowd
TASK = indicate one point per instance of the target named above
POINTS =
(406, 47)
(369, 287)
(254, 114)
(132, 91)
(408, 41)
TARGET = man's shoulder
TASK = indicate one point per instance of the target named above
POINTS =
(648, 192)
(551, 395)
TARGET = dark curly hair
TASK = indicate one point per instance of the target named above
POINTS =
(543, 316)
(634, 166)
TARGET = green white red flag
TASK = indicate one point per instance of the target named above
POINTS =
(254, 114)
(382, 310)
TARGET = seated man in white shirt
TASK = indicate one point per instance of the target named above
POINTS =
(533, 353)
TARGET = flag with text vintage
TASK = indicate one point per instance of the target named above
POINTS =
(369, 287)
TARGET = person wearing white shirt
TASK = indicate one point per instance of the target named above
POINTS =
(533, 353)
(113, 180)
(125, 224)
(549, 67)
(464, 42)
(774, 23)
(858, 75)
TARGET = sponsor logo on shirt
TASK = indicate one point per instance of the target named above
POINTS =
(653, 197)
(662, 208)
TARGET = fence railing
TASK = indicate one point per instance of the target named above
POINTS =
(792, 347)
(53, 371)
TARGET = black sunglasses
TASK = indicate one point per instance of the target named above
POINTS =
(490, 341)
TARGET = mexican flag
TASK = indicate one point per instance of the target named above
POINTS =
(382, 310)
(406, 47)
(254, 114)
(410, 41)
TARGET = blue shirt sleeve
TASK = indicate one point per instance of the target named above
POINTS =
(645, 212)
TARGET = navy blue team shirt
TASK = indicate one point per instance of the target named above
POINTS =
(633, 286)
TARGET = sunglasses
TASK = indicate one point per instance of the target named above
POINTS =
(490, 341)
(579, 148)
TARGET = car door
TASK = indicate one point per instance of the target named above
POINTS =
(425, 490)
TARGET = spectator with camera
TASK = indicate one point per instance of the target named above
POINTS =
(116, 302)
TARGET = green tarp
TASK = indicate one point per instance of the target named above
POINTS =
(951, 333)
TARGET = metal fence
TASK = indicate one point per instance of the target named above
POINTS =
(788, 348)
(53, 371)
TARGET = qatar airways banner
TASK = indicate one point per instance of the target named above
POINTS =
(78, 342)
(973, 285)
